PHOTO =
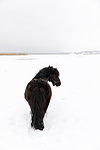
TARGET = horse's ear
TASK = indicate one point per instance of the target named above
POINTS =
(50, 66)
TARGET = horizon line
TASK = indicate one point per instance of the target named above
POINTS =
(53, 53)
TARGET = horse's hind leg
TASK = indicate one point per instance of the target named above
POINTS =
(37, 122)
(32, 119)
(37, 119)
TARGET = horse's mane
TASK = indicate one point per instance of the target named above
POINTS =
(45, 72)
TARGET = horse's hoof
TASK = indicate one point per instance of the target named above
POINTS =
(40, 126)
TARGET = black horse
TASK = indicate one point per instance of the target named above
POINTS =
(38, 94)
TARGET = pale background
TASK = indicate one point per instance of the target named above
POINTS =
(49, 26)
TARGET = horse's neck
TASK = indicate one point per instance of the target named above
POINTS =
(43, 79)
(36, 77)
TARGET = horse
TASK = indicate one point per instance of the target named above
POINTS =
(38, 94)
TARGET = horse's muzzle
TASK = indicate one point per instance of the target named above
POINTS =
(58, 83)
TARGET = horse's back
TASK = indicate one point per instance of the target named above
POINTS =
(40, 86)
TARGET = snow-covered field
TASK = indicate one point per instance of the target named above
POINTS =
(72, 121)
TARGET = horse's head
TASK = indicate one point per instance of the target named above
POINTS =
(54, 77)
(50, 74)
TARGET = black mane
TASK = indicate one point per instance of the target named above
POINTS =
(45, 72)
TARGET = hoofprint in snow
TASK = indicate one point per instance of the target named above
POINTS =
(72, 121)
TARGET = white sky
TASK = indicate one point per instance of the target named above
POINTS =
(49, 25)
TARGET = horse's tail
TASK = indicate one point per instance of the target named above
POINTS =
(37, 109)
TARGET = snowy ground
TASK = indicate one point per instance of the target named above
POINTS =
(72, 121)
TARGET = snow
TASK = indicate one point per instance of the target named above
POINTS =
(72, 121)
(33, 26)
